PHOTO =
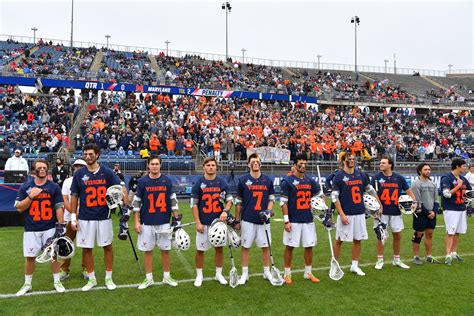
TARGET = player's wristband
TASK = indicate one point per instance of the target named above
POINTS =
(286, 219)
(225, 211)
(30, 197)
(73, 217)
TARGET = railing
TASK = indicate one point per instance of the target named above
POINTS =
(253, 60)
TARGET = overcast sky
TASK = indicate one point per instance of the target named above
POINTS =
(423, 34)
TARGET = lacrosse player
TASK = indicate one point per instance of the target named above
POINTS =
(88, 196)
(41, 202)
(389, 185)
(349, 185)
(255, 194)
(208, 196)
(66, 192)
(454, 186)
(297, 191)
(424, 222)
(153, 204)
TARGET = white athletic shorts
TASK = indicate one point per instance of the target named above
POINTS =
(455, 222)
(301, 234)
(394, 222)
(250, 232)
(33, 242)
(94, 231)
(150, 238)
(202, 240)
(355, 230)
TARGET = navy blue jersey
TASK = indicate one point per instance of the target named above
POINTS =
(330, 178)
(456, 201)
(299, 193)
(389, 189)
(351, 188)
(155, 195)
(206, 194)
(41, 215)
(255, 196)
(91, 189)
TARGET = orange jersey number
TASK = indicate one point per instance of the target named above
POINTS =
(387, 199)
(41, 211)
(211, 203)
(460, 196)
(96, 196)
(258, 204)
(356, 197)
(303, 201)
(160, 202)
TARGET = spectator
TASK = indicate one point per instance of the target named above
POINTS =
(17, 162)
(59, 172)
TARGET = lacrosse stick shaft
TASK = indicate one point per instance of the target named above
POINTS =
(134, 252)
(269, 244)
(330, 243)
(319, 177)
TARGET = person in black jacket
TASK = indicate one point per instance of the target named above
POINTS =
(60, 172)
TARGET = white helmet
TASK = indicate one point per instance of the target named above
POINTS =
(233, 238)
(469, 198)
(318, 208)
(114, 196)
(181, 239)
(217, 233)
(61, 248)
(405, 204)
(371, 204)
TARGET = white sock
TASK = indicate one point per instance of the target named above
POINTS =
(166, 274)
(266, 269)
(307, 269)
(428, 256)
(454, 253)
(396, 258)
(380, 257)
(108, 274)
(287, 271)
(91, 275)
(28, 279)
(245, 270)
(355, 264)
(218, 270)
(149, 276)
(199, 273)
(56, 277)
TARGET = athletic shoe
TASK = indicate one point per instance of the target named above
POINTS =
(448, 260)
(244, 278)
(146, 283)
(170, 281)
(63, 275)
(109, 284)
(400, 264)
(432, 260)
(90, 284)
(58, 286)
(220, 278)
(287, 279)
(379, 264)
(24, 289)
(311, 277)
(458, 258)
(198, 281)
(357, 271)
(418, 262)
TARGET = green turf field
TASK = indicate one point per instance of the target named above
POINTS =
(429, 289)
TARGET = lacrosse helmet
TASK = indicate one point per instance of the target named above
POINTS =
(181, 239)
(233, 238)
(469, 198)
(217, 233)
(114, 196)
(61, 248)
(318, 208)
(371, 204)
(405, 203)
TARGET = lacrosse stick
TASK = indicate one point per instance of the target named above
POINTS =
(335, 271)
(174, 228)
(276, 279)
(233, 274)
(134, 252)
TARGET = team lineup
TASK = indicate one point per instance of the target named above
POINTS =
(81, 212)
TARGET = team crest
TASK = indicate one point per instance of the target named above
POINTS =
(29, 190)
(455, 182)
(296, 182)
(382, 181)
(203, 185)
(345, 179)
(85, 178)
(248, 182)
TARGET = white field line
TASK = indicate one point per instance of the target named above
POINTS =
(126, 286)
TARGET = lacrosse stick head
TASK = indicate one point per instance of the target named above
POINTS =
(371, 205)
(335, 271)
(181, 239)
(233, 278)
(233, 239)
(217, 233)
(469, 198)
(276, 279)
(47, 254)
(114, 196)
(381, 232)
(405, 204)
(318, 208)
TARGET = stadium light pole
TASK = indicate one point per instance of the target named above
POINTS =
(319, 61)
(394, 64)
(243, 55)
(167, 43)
(72, 21)
(107, 36)
(226, 6)
(355, 19)
(34, 29)
(386, 61)
(449, 66)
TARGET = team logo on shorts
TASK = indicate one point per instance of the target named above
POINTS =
(30, 250)
(83, 241)
(85, 178)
